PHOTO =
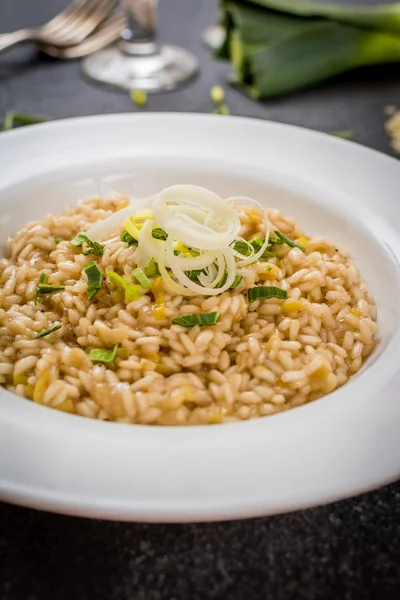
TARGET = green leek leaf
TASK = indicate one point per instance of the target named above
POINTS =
(243, 247)
(223, 279)
(91, 247)
(126, 237)
(94, 279)
(14, 118)
(78, 240)
(345, 135)
(384, 17)
(116, 279)
(288, 241)
(194, 274)
(203, 320)
(104, 356)
(152, 269)
(141, 277)
(281, 46)
(43, 289)
(258, 243)
(262, 292)
(132, 292)
(48, 331)
(236, 281)
(159, 234)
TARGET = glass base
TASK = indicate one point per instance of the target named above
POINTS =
(168, 68)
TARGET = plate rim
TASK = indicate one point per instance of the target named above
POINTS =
(128, 510)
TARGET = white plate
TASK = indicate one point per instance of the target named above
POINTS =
(338, 446)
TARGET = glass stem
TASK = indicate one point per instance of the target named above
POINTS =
(139, 37)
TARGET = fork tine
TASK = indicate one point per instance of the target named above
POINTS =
(90, 22)
(75, 12)
(62, 17)
(80, 24)
(80, 9)
(107, 33)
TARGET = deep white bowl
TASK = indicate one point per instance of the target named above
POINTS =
(340, 445)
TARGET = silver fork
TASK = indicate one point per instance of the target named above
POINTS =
(71, 26)
(107, 32)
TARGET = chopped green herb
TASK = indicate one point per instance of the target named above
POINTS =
(159, 234)
(58, 240)
(345, 135)
(48, 331)
(152, 270)
(126, 237)
(24, 119)
(257, 244)
(243, 247)
(141, 277)
(78, 240)
(132, 292)
(217, 94)
(236, 281)
(288, 241)
(43, 278)
(43, 289)
(194, 275)
(139, 97)
(116, 279)
(13, 118)
(209, 318)
(92, 247)
(223, 279)
(8, 121)
(222, 109)
(104, 356)
(180, 247)
(274, 240)
(94, 279)
(203, 320)
(267, 254)
(187, 320)
(262, 292)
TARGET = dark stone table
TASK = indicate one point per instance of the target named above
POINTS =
(346, 551)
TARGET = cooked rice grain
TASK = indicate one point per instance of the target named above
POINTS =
(260, 359)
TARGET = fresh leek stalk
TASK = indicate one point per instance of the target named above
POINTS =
(274, 53)
(384, 18)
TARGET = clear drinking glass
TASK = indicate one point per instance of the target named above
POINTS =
(138, 61)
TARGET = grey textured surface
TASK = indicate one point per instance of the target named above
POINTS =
(40, 85)
(346, 551)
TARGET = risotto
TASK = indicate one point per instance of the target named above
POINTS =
(93, 322)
